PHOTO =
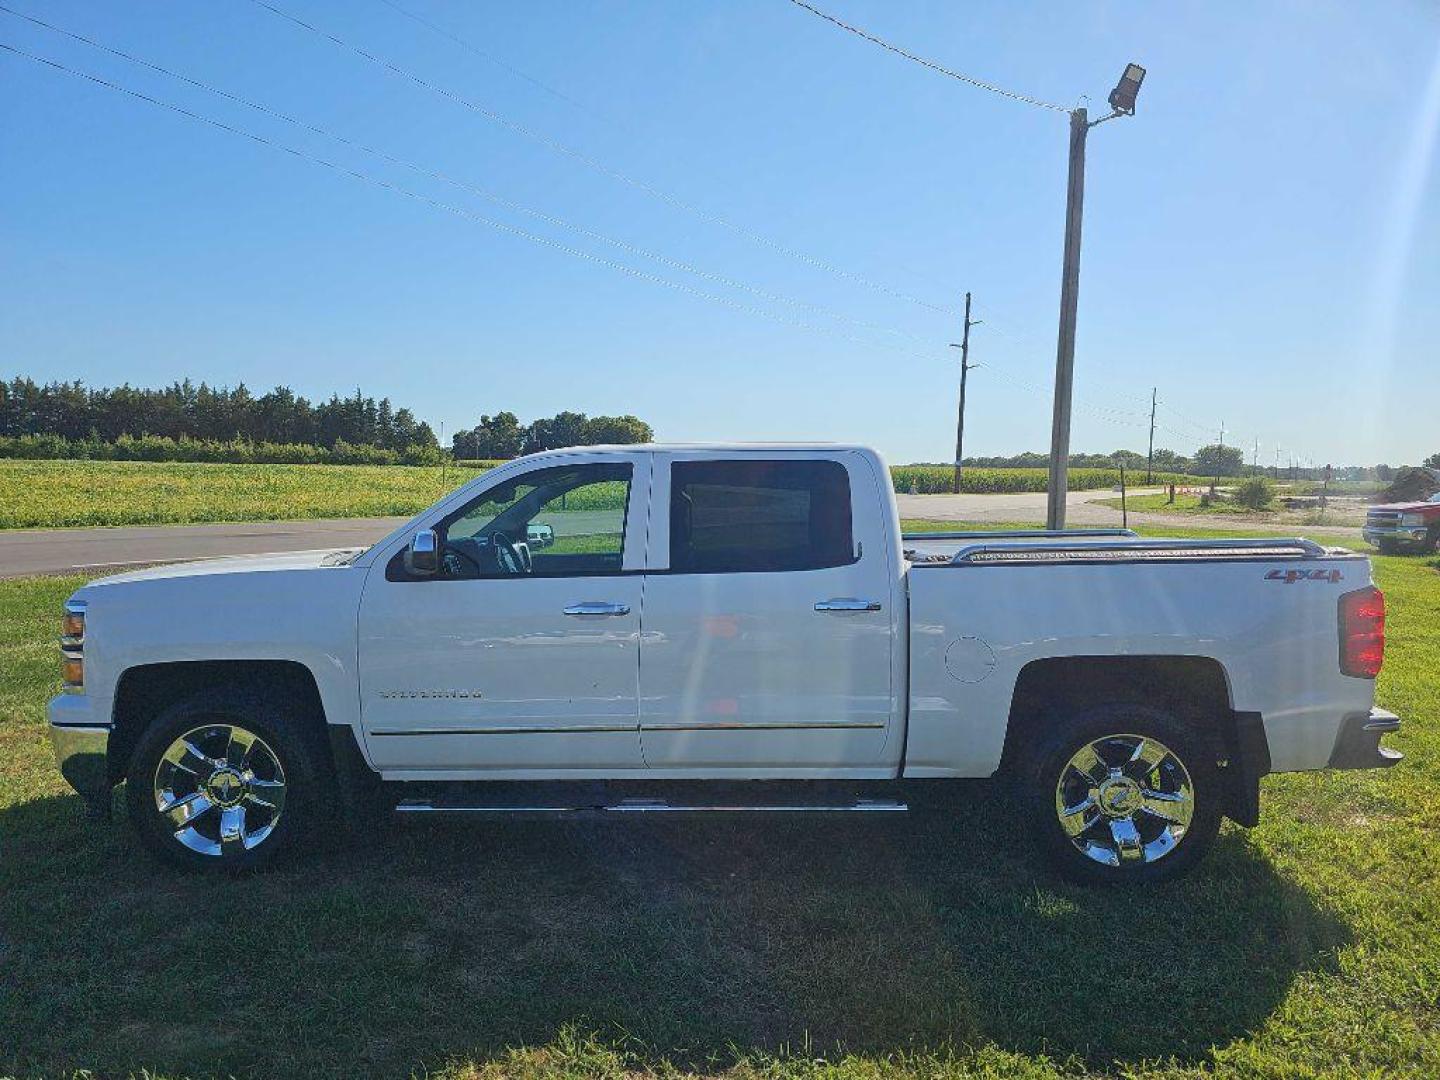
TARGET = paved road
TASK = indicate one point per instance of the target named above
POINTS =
(66, 551)
(63, 551)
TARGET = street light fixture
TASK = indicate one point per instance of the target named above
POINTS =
(1122, 103)
(1122, 98)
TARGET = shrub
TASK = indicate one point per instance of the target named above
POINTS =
(1254, 492)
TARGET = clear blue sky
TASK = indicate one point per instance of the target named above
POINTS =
(1262, 240)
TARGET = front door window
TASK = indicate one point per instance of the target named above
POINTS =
(564, 521)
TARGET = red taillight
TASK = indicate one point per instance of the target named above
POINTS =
(1362, 632)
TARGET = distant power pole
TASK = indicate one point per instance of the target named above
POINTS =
(1255, 457)
(1150, 455)
(1219, 459)
(965, 367)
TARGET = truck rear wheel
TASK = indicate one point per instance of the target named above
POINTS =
(223, 780)
(1126, 794)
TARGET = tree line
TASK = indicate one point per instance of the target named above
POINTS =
(1212, 460)
(184, 411)
(504, 436)
(1165, 461)
(185, 422)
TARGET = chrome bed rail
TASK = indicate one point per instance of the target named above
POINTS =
(1146, 550)
(1016, 534)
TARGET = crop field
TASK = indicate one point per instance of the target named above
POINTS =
(937, 479)
(46, 494)
(931, 945)
(54, 494)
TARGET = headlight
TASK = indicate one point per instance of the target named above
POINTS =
(72, 646)
(1411, 520)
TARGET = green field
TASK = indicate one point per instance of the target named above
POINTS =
(938, 479)
(53, 494)
(50, 494)
(933, 945)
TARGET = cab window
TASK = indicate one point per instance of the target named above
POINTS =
(564, 521)
(758, 515)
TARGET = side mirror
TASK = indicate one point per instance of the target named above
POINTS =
(539, 535)
(422, 557)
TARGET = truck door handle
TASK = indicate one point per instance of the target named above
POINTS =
(847, 603)
(597, 608)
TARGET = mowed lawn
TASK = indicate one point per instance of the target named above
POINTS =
(935, 944)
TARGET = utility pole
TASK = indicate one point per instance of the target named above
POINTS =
(1255, 457)
(1065, 347)
(965, 367)
(1219, 459)
(1150, 454)
(1122, 103)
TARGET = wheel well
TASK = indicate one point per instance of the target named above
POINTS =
(148, 688)
(1194, 687)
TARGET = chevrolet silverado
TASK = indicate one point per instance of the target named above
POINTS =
(635, 630)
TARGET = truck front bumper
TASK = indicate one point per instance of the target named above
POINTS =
(81, 746)
(1357, 746)
(1395, 534)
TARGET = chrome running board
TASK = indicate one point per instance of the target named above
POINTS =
(655, 806)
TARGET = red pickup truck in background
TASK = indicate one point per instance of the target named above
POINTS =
(1405, 526)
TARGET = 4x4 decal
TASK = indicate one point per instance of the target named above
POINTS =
(1289, 577)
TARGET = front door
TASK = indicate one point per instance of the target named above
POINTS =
(769, 617)
(521, 655)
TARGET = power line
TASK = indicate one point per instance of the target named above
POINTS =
(1101, 412)
(468, 46)
(981, 83)
(365, 178)
(598, 166)
(463, 185)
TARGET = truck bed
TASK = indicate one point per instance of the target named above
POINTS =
(984, 606)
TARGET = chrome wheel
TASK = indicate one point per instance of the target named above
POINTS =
(220, 790)
(1124, 800)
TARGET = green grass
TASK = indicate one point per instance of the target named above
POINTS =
(931, 945)
(1190, 505)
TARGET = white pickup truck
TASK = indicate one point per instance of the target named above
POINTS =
(640, 629)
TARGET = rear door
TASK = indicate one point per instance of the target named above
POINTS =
(767, 630)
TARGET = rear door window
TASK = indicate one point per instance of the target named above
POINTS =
(753, 515)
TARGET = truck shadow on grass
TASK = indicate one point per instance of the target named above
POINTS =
(687, 941)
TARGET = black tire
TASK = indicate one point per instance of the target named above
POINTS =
(1160, 858)
(287, 752)
(1388, 547)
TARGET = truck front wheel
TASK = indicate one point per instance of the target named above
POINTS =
(1126, 794)
(222, 780)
